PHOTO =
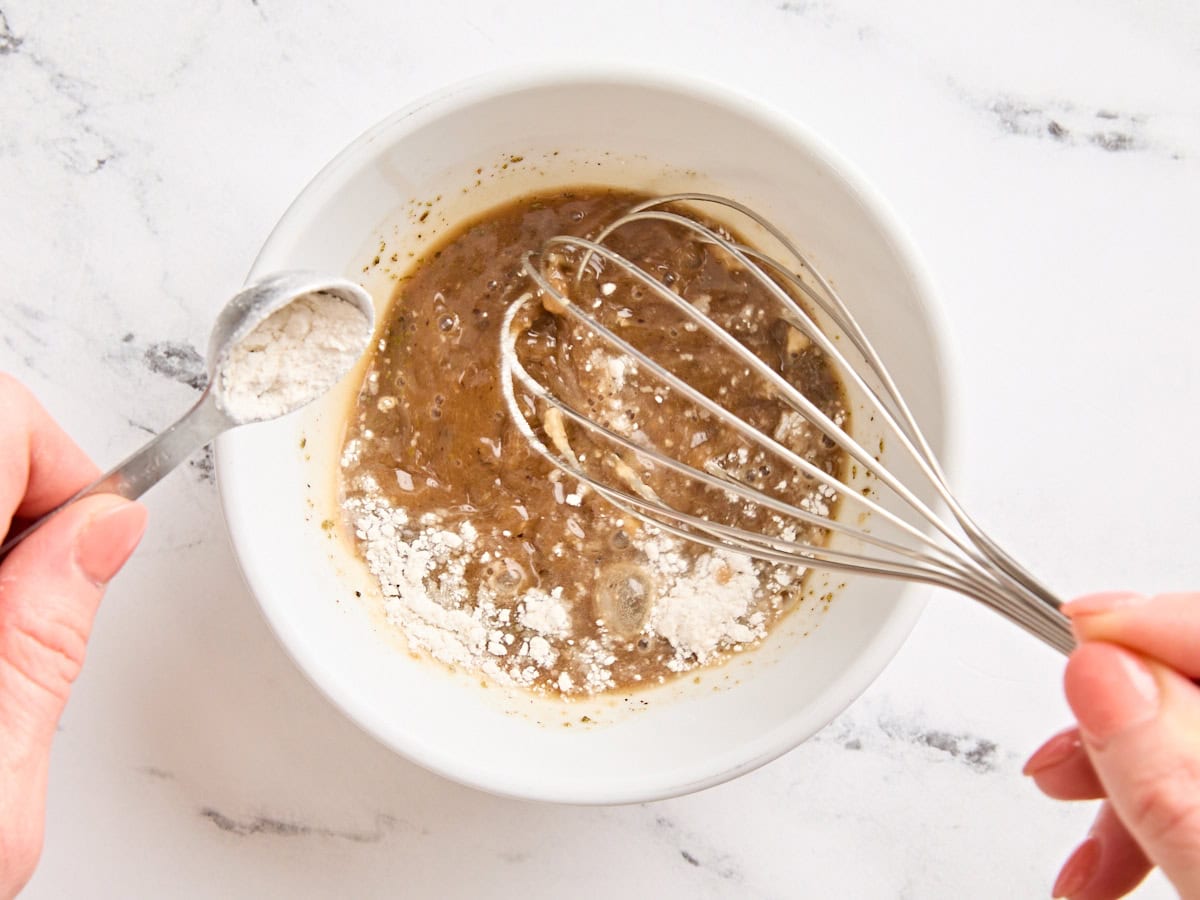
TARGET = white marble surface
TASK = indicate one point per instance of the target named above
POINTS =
(1047, 159)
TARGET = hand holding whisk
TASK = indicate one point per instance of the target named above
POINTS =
(887, 530)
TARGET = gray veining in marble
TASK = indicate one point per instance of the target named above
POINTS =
(1046, 158)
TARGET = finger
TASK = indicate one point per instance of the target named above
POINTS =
(50, 586)
(1107, 865)
(1061, 769)
(1140, 722)
(40, 466)
(1166, 627)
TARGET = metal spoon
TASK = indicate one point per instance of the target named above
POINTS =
(209, 417)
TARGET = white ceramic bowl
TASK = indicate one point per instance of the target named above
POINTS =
(454, 154)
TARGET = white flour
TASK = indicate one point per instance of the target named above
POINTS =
(703, 608)
(293, 356)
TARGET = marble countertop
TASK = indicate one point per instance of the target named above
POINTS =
(1047, 160)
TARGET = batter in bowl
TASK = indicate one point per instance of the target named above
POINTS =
(492, 560)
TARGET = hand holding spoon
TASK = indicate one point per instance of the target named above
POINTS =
(227, 401)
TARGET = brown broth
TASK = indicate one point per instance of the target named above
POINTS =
(430, 433)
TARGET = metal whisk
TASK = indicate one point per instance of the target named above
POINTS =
(951, 551)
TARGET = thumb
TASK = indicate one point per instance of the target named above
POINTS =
(1140, 723)
(50, 586)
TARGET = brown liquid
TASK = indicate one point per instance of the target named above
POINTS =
(430, 429)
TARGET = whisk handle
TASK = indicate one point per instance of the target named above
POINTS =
(1038, 612)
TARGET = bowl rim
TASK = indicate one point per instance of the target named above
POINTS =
(905, 611)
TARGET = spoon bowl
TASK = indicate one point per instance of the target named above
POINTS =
(261, 299)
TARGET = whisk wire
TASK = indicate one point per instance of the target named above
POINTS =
(806, 467)
(720, 536)
(972, 565)
(832, 304)
(722, 480)
(979, 546)
(788, 392)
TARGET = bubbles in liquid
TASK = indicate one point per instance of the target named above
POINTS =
(447, 322)
(624, 593)
(505, 577)
(577, 216)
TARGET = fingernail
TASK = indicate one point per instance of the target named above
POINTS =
(108, 539)
(1129, 690)
(1058, 749)
(1078, 870)
(1095, 604)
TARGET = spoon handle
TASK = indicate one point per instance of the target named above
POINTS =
(144, 468)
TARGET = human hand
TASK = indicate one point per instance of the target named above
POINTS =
(50, 586)
(1137, 744)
